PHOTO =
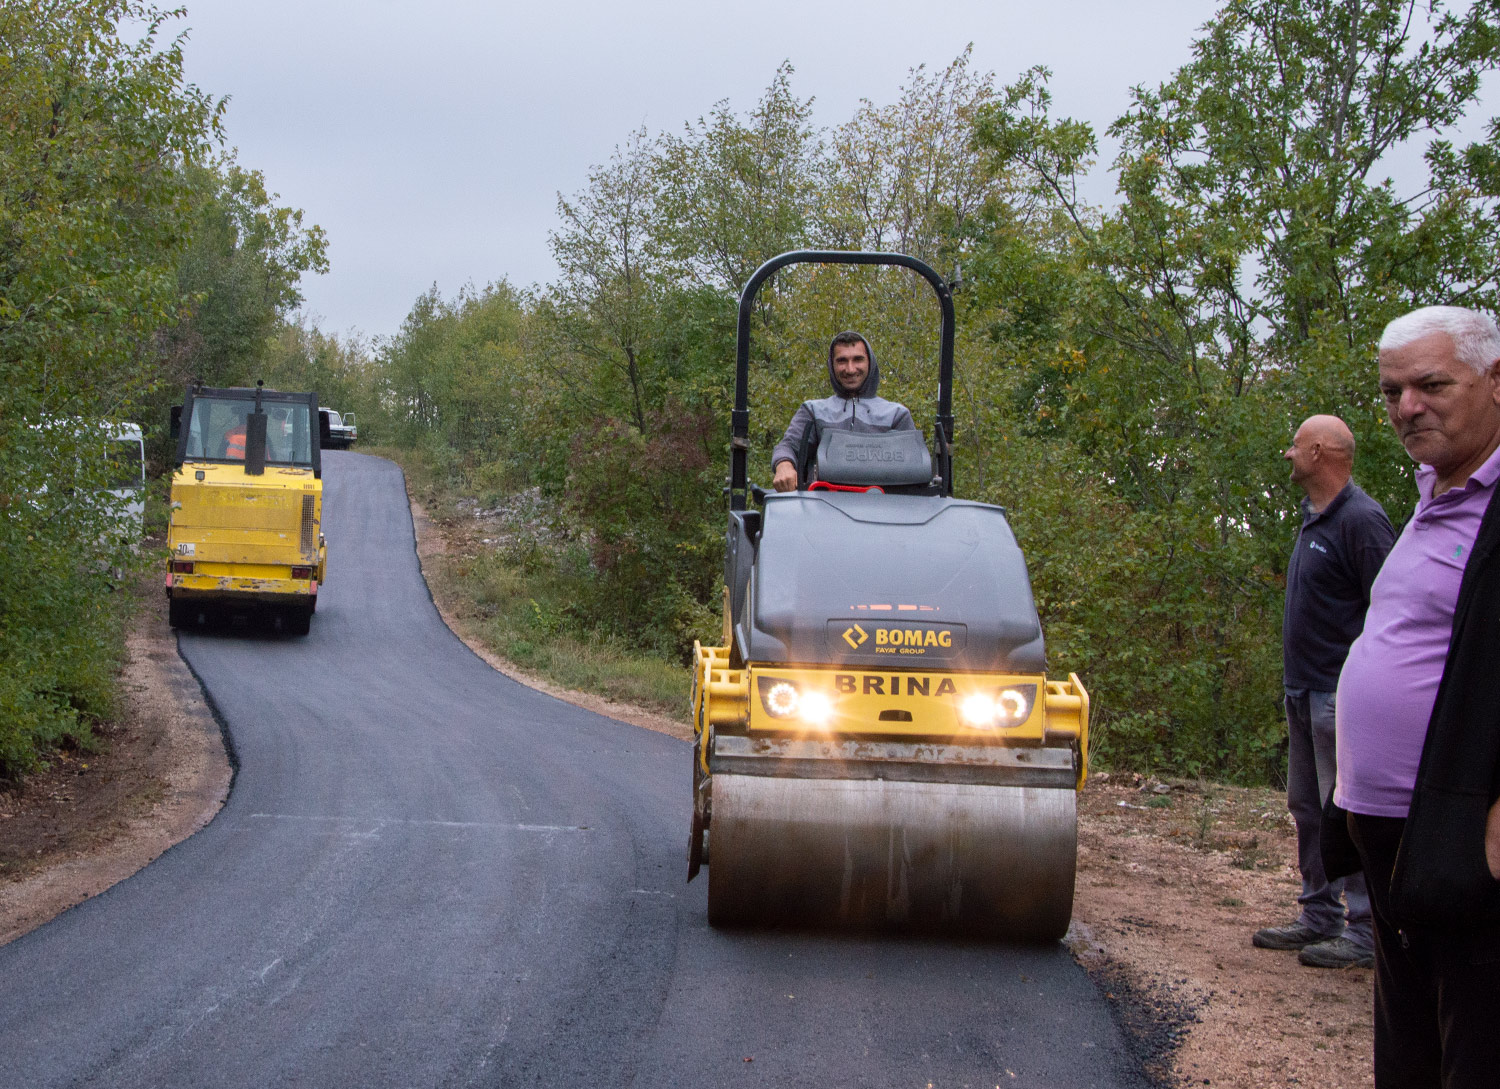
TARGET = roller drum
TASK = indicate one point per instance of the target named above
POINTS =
(982, 859)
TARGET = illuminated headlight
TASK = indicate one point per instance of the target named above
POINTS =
(1003, 707)
(782, 700)
(817, 709)
(978, 711)
(785, 700)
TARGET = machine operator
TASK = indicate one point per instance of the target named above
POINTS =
(855, 376)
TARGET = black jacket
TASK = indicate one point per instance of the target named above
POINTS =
(1441, 878)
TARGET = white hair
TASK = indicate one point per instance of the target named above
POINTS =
(1476, 340)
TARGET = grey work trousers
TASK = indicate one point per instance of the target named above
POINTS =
(1310, 776)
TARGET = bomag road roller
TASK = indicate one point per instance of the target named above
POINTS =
(247, 507)
(877, 741)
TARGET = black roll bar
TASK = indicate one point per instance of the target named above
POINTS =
(739, 453)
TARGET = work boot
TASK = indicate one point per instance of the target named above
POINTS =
(1337, 952)
(1296, 936)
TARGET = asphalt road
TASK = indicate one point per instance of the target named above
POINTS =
(429, 875)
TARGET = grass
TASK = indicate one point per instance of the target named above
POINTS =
(593, 666)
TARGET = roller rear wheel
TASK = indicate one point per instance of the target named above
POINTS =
(182, 614)
(296, 619)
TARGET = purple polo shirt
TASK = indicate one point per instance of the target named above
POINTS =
(1390, 679)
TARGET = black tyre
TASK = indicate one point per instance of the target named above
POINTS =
(182, 614)
(297, 620)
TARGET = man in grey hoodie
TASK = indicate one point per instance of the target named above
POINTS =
(855, 376)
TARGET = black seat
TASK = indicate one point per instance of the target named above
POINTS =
(884, 459)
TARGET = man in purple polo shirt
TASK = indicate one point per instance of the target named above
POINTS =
(1418, 716)
(1344, 539)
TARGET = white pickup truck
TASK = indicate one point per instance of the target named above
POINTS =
(341, 429)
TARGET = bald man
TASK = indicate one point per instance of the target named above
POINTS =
(1344, 539)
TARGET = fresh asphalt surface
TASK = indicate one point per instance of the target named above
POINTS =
(429, 875)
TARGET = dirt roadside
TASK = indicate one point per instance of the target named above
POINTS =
(1173, 876)
(93, 819)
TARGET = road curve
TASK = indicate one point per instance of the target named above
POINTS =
(429, 875)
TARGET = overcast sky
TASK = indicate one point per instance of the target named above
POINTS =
(431, 141)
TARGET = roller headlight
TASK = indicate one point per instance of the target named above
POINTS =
(999, 708)
(786, 700)
(817, 708)
(978, 711)
(1014, 704)
(782, 700)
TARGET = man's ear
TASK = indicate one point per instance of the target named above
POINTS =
(1493, 375)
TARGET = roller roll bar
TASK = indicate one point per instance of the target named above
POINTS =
(739, 453)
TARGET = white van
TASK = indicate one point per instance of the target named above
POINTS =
(117, 496)
(127, 469)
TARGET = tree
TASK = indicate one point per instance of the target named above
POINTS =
(908, 177)
(96, 202)
(1256, 253)
(610, 274)
(98, 135)
(300, 356)
(903, 177)
(733, 193)
(240, 277)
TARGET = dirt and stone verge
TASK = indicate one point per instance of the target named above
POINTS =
(161, 772)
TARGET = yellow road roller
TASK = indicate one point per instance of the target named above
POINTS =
(247, 507)
(877, 740)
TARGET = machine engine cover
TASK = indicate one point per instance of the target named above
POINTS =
(890, 581)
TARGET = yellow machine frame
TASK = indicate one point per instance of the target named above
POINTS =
(917, 704)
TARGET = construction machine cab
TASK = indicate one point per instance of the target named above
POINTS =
(940, 477)
(254, 426)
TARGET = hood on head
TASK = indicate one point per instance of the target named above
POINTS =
(872, 380)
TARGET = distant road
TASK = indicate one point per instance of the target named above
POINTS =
(430, 875)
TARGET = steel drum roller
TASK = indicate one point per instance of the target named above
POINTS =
(988, 860)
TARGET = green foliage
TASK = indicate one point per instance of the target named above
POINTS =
(908, 177)
(1239, 287)
(733, 193)
(1127, 377)
(651, 510)
(94, 201)
(95, 135)
(300, 356)
(116, 222)
(239, 278)
(453, 372)
(62, 542)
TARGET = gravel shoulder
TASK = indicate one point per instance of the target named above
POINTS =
(1173, 876)
(93, 819)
